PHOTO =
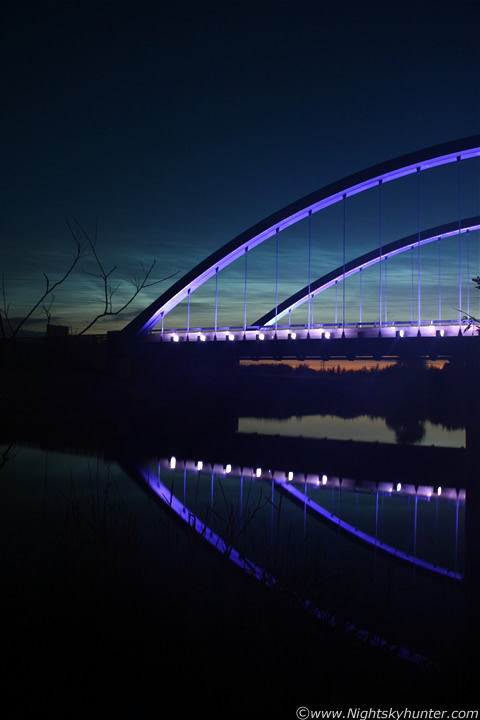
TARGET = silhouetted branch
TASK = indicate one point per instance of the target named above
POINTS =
(47, 294)
(5, 455)
(139, 283)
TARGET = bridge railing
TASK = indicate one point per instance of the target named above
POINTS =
(325, 331)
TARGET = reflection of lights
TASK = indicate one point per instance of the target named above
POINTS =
(175, 338)
(230, 336)
(399, 487)
(173, 462)
(439, 491)
(324, 479)
(258, 472)
(200, 465)
(290, 476)
(228, 468)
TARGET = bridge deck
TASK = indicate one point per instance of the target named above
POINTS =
(327, 342)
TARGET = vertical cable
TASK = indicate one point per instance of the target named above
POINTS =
(468, 272)
(336, 302)
(344, 257)
(415, 527)
(385, 303)
(411, 291)
(188, 313)
(418, 257)
(439, 282)
(309, 263)
(360, 319)
(216, 299)
(456, 537)
(276, 279)
(459, 245)
(380, 253)
(245, 296)
(162, 324)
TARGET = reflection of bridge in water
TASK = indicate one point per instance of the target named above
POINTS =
(254, 516)
(314, 493)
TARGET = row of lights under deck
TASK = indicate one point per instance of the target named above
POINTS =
(227, 469)
(292, 335)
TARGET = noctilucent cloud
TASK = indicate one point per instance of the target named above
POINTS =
(178, 125)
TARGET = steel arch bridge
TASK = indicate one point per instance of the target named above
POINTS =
(277, 322)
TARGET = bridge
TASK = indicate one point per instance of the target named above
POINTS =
(377, 264)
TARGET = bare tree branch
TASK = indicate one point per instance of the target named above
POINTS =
(6, 455)
(48, 292)
(84, 244)
(139, 283)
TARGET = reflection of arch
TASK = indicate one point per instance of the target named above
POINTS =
(175, 505)
(279, 479)
(364, 261)
(366, 538)
(308, 205)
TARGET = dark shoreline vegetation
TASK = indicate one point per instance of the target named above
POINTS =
(71, 379)
(116, 616)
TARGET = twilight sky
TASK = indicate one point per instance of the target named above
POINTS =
(180, 124)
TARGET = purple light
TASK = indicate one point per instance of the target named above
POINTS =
(309, 205)
(206, 533)
(369, 539)
(340, 274)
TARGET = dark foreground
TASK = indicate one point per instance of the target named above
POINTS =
(137, 622)
(117, 618)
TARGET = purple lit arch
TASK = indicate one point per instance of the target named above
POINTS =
(400, 167)
(364, 261)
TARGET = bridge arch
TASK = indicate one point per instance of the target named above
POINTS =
(366, 260)
(402, 166)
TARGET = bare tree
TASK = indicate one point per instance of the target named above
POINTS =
(45, 299)
(84, 246)
(108, 291)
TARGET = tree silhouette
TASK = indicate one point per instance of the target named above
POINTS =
(85, 246)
